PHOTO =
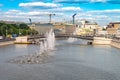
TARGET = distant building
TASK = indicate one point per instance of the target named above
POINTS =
(70, 29)
(118, 33)
(111, 31)
(113, 27)
(59, 28)
(42, 28)
(87, 27)
(64, 28)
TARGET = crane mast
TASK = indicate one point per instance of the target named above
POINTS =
(50, 15)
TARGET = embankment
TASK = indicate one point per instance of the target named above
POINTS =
(3, 43)
(106, 41)
(115, 43)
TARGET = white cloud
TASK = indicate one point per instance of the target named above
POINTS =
(71, 8)
(106, 11)
(97, 0)
(36, 16)
(38, 4)
(36, 13)
(114, 10)
(65, 9)
(42, 15)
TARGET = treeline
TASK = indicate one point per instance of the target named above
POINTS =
(16, 29)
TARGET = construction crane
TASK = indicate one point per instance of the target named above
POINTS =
(50, 15)
(74, 18)
(30, 20)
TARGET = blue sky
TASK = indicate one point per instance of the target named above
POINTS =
(101, 11)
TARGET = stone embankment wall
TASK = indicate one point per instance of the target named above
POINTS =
(115, 43)
(6, 43)
(101, 41)
(106, 41)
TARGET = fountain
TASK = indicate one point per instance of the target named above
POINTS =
(72, 39)
(48, 43)
(41, 56)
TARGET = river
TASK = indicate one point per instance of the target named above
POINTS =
(69, 61)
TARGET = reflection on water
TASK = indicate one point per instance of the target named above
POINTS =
(70, 61)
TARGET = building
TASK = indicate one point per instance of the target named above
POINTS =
(87, 27)
(59, 28)
(65, 29)
(118, 33)
(70, 29)
(113, 27)
(41, 28)
(111, 31)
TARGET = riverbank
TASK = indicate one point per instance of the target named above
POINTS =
(6, 42)
(101, 41)
(115, 43)
(106, 41)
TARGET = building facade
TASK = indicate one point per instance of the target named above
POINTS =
(113, 27)
(87, 27)
(42, 28)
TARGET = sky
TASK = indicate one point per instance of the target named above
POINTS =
(101, 11)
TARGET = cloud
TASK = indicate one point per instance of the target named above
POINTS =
(101, 16)
(67, 9)
(71, 1)
(98, 1)
(36, 16)
(40, 5)
(88, 1)
(71, 8)
(105, 11)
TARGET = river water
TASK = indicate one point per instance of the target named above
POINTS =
(69, 61)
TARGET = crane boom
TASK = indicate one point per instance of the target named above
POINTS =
(74, 17)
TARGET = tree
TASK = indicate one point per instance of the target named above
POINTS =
(15, 29)
(23, 26)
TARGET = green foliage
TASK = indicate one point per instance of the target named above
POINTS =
(103, 28)
(19, 29)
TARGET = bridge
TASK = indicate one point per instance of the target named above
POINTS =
(64, 36)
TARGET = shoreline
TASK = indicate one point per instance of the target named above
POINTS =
(4, 43)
